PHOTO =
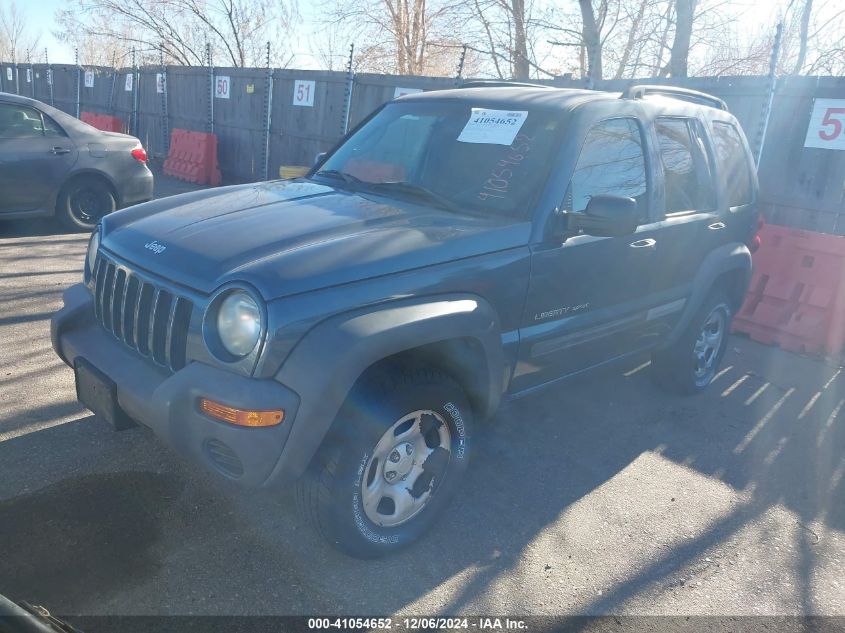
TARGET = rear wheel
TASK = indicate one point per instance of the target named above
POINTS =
(690, 364)
(83, 202)
(391, 465)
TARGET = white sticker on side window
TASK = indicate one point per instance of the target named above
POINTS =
(494, 127)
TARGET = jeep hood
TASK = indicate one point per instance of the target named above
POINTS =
(290, 237)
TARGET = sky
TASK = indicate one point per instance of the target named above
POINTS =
(41, 12)
(40, 18)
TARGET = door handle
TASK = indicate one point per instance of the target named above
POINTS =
(647, 243)
(59, 150)
(716, 226)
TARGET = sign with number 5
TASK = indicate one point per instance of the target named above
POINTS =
(827, 125)
(303, 93)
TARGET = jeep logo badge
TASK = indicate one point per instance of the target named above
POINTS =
(155, 247)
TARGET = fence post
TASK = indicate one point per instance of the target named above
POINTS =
(165, 119)
(30, 74)
(461, 65)
(113, 84)
(210, 88)
(136, 80)
(350, 81)
(767, 108)
(49, 74)
(268, 114)
(78, 79)
(17, 78)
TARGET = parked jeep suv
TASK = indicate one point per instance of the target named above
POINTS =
(347, 330)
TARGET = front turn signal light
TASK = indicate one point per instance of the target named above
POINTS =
(241, 417)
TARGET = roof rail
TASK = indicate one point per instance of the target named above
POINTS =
(640, 91)
(497, 83)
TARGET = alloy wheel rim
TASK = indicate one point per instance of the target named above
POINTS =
(708, 343)
(408, 464)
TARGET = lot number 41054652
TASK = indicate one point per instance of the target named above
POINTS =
(827, 125)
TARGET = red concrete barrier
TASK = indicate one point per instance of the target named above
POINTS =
(104, 122)
(797, 295)
(193, 157)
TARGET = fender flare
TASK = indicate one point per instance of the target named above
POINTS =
(329, 359)
(724, 259)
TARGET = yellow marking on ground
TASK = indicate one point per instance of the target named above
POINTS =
(636, 369)
(832, 378)
(722, 373)
(757, 394)
(730, 389)
(829, 422)
(809, 405)
(762, 422)
(775, 451)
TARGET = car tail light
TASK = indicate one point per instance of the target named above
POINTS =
(139, 154)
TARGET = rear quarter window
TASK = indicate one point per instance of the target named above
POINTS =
(733, 162)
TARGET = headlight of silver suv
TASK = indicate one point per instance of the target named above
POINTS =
(91, 257)
(237, 322)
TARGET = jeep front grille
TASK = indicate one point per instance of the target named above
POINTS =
(148, 318)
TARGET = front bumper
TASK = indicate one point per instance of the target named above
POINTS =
(168, 403)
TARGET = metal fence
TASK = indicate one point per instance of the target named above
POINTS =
(265, 118)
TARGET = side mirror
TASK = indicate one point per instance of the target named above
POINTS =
(319, 158)
(606, 216)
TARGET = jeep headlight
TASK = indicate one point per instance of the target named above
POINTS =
(239, 323)
(91, 257)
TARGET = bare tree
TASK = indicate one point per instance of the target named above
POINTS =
(592, 39)
(236, 30)
(679, 59)
(802, 37)
(398, 36)
(17, 41)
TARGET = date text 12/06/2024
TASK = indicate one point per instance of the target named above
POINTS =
(419, 623)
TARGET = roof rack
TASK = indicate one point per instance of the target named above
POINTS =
(641, 91)
(496, 83)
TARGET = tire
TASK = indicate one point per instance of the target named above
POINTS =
(688, 366)
(83, 202)
(354, 493)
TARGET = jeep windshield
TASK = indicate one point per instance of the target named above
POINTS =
(457, 156)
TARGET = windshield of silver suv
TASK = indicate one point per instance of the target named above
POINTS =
(452, 155)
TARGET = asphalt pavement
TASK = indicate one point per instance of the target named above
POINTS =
(601, 495)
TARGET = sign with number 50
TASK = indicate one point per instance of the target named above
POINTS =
(222, 86)
(827, 125)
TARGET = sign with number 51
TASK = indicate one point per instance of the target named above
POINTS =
(827, 125)
(303, 93)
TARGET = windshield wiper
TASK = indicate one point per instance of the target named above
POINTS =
(417, 191)
(349, 179)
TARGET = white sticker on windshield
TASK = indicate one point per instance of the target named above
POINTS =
(495, 127)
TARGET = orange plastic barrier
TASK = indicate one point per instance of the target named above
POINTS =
(797, 295)
(104, 122)
(193, 157)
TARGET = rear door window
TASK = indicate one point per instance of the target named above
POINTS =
(686, 165)
(733, 163)
(611, 163)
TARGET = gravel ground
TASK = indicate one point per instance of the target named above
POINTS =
(599, 496)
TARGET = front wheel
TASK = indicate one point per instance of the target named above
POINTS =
(391, 465)
(690, 364)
